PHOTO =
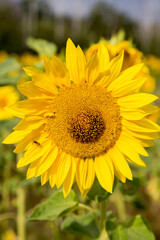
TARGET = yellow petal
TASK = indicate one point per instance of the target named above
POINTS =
(103, 57)
(75, 62)
(133, 115)
(103, 173)
(33, 137)
(149, 109)
(29, 90)
(47, 160)
(52, 171)
(120, 162)
(58, 68)
(143, 125)
(52, 180)
(34, 152)
(15, 111)
(44, 178)
(136, 144)
(127, 149)
(81, 65)
(142, 135)
(89, 173)
(68, 182)
(15, 137)
(80, 173)
(32, 71)
(125, 80)
(41, 79)
(110, 164)
(31, 106)
(32, 169)
(31, 122)
(92, 69)
(46, 82)
(119, 175)
(60, 72)
(127, 88)
(115, 67)
(63, 169)
(136, 100)
(97, 68)
(147, 143)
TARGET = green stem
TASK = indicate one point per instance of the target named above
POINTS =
(103, 213)
(81, 205)
(104, 235)
(120, 206)
(103, 210)
(21, 221)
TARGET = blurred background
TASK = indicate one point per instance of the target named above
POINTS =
(83, 21)
(22, 24)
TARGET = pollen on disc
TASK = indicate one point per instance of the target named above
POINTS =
(84, 121)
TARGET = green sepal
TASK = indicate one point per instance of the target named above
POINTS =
(97, 193)
(130, 187)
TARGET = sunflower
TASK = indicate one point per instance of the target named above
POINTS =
(29, 59)
(8, 96)
(132, 56)
(3, 56)
(153, 63)
(83, 119)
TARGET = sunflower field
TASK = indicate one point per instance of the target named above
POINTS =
(79, 141)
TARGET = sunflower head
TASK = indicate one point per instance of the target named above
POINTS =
(132, 56)
(8, 96)
(153, 63)
(28, 59)
(83, 118)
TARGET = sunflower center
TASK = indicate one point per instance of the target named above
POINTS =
(84, 121)
(86, 127)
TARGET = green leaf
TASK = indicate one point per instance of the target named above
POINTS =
(9, 65)
(54, 207)
(41, 46)
(136, 228)
(97, 193)
(119, 234)
(81, 226)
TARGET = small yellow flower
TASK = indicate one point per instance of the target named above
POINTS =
(8, 96)
(132, 56)
(28, 59)
(83, 119)
(9, 235)
(3, 56)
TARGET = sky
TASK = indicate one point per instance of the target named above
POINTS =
(139, 10)
(145, 11)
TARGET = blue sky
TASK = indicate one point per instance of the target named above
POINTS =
(143, 10)
(147, 11)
